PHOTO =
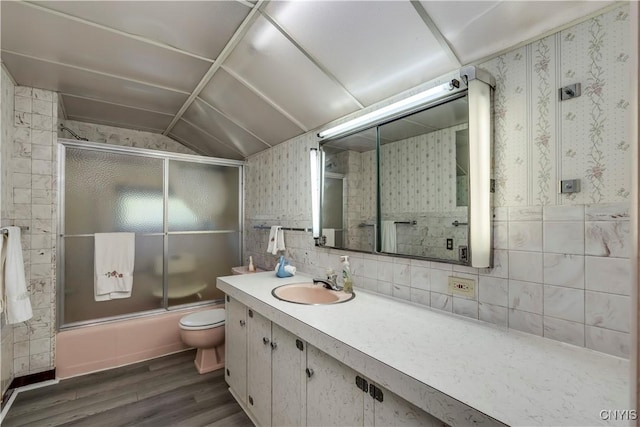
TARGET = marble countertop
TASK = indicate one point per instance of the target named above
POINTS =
(460, 370)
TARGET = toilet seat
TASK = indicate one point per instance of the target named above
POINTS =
(205, 319)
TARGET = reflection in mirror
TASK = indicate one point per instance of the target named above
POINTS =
(421, 157)
(407, 184)
(349, 194)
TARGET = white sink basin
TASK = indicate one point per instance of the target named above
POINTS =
(310, 294)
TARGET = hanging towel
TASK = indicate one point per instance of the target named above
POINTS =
(276, 240)
(330, 236)
(389, 243)
(113, 266)
(16, 295)
(273, 235)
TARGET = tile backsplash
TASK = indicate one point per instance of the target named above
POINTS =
(561, 262)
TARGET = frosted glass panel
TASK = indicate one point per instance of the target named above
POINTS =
(203, 197)
(79, 303)
(195, 261)
(108, 192)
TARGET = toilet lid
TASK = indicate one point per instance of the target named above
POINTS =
(204, 318)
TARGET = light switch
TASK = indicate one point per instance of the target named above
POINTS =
(570, 186)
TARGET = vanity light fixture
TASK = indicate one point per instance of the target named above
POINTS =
(316, 163)
(392, 110)
(481, 85)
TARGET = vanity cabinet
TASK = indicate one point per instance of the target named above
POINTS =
(235, 328)
(259, 348)
(281, 380)
(332, 396)
(338, 396)
(264, 367)
(288, 387)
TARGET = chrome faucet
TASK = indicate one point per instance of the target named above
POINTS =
(331, 282)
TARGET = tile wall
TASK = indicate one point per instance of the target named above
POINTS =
(7, 89)
(31, 203)
(30, 199)
(561, 266)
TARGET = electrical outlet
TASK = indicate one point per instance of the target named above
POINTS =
(450, 244)
(460, 286)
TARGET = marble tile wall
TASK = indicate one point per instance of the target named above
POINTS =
(552, 275)
(31, 200)
(7, 89)
(561, 267)
(31, 203)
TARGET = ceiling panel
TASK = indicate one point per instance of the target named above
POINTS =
(275, 67)
(99, 112)
(69, 42)
(199, 27)
(249, 110)
(183, 131)
(222, 128)
(44, 75)
(479, 29)
(376, 49)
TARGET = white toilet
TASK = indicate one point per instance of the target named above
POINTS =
(204, 330)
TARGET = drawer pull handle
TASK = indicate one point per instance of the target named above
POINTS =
(265, 340)
(309, 372)
(273, 345)
(242, 323)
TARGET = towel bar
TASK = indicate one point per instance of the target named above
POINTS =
(22, 228)
(268, 227)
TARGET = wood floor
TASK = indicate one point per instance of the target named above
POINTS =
(162, 392)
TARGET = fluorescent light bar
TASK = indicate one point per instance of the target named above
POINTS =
(480, 173)
(391, 109)
(314, 163)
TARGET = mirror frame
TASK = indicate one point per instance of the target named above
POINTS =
(480, 85)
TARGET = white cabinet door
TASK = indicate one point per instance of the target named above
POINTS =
(259, 367)
(236, 348)
(332, 396)
(395, 411)
(288, 361)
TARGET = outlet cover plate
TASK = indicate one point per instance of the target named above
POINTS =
(461, 286)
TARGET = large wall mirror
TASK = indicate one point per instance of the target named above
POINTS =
(405, 184)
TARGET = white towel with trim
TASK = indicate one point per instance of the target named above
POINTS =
(276, 240)
(114, 258)
(16, 294)
(389, 241)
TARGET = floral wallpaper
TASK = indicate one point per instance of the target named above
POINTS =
(561, 261)
(540, 140)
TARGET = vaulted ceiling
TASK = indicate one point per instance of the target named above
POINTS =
(232, 78)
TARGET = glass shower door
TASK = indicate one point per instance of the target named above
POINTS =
(203, 216)
(107, 192)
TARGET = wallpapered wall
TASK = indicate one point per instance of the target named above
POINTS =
(561, 266)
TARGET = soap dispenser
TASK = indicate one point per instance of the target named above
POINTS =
(252, 268)
(346, 275)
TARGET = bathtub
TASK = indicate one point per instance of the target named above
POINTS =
(108, 345)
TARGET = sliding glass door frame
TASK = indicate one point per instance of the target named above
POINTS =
(166, 157)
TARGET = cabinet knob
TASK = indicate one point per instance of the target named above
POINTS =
(265, 340)
(309, 372)
(273, 345)
(242, 323)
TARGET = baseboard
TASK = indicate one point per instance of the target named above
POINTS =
(33, 378)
